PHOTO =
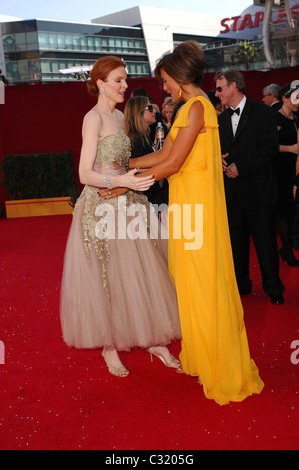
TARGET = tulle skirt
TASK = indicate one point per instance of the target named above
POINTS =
(121, 296)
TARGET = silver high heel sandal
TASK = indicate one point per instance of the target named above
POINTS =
(174, 363)
(120, 371)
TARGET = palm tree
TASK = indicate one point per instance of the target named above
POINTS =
(247, 53)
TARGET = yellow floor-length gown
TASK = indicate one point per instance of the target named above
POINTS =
(214, 344)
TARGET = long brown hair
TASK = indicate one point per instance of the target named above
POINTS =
(101, 70)
(185, 64)
(134, 124)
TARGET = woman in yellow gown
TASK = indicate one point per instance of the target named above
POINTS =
(214, 341)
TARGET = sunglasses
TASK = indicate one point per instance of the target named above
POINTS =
(149, 108)
(219, 88)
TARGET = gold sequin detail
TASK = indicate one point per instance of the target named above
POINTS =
(111, 149)
(114, 149)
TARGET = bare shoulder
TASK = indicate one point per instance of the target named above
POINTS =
(92, 119)
(119, 115)
(92, 115)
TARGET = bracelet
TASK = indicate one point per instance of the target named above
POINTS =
(127, 166)
(108, 181)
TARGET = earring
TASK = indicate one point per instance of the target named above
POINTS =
(102, 90)
(180, 93)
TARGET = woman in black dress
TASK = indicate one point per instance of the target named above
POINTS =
(139, 116)
(287, 125)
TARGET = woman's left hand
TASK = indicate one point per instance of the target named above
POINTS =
(110, 193)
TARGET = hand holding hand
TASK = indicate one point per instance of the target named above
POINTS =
(133, 182)
(110, 193)
(224, 162)
(232, 171)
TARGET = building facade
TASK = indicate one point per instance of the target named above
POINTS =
(220, 38)
(36, 50)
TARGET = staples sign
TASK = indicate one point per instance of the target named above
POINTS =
(239, 22)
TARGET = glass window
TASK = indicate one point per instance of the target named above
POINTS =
(20, 38)
(61, 41)
(11, 68)
(20, 42)
(53, 41)
(98, 43)
(45, 66)
(63, 64)
(118, 45)
(31, 38)
(69, 44)
(23, 70)
(9, 43)
(91, 43)
(125, 45)
(43, 39)
(77, 42)
(132, 68)
(83, 43)
(55, 65)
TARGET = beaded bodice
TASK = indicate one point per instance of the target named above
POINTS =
(113, 152)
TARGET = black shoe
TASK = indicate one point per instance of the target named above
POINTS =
(276, 299)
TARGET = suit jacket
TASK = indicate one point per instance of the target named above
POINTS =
(254, 150)
(276, 106)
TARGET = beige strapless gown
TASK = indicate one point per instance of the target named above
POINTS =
(116, 287)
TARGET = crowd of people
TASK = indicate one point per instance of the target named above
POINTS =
(234, 157)
(286, 178)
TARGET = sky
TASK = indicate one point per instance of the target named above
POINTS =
(79, 11)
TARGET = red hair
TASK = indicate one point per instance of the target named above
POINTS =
(101, 70)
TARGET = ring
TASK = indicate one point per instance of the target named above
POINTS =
(110, 192)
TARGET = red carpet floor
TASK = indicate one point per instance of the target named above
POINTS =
(53, 397)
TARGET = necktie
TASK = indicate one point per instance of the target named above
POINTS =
(232, 111)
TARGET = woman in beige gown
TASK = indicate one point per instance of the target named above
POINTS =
(117, 293)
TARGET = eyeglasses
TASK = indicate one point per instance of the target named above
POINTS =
(219, 88)
(149, 108)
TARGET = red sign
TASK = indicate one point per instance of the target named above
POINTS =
(251, 22)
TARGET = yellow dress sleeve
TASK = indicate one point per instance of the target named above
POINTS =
(210, 116)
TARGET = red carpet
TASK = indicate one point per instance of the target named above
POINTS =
(53, 397)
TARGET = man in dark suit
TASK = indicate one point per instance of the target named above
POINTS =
(249, 142)
(271, 97)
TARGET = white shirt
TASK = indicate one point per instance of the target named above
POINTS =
(235, 117)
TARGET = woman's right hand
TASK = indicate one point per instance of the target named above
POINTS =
(142, 183)
(111, 193)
